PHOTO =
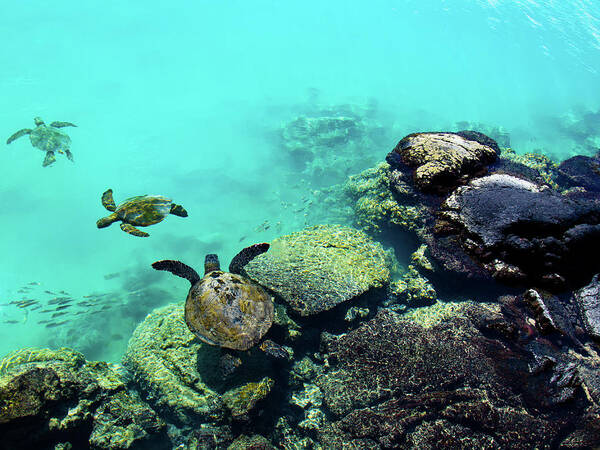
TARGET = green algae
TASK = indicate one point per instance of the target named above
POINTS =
(36, 355)
(317, 268)
(544, 165)
(375, 207)
(242, 399)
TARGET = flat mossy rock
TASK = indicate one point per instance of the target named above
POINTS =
(442, 161)
(317, 268)
(163, 356)
(50, 398)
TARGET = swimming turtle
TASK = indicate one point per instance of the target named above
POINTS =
(48, 138)
(224, 308)
(138, 211)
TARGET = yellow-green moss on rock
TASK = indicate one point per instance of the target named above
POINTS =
(242, 399)
(163, 356)
(374, 204)
(317, 268)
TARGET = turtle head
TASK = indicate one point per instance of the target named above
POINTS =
(38, 121)
(211, 262)
(106, 221)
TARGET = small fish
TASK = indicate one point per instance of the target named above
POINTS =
(84, 303)
(33, 283)
(110, 276)
(50, 292)
(58, 314)
(11, 321)
(56, 324)
(40, 322)
(22, 291)
(60, 308)
(116, 337)
(64, 293)
(242, 238)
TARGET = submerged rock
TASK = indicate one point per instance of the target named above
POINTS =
(442, 161)
(52, 398)
(521, 233)
(583, 171)
(588, 301)
(164, 357)
(320, 267)
(241, 400)
(464, 381)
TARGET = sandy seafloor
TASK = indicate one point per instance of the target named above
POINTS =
(187, 99)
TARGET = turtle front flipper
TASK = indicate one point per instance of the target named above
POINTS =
(178, 210)
(130, 229)
(177, 268)
(247, 255)
(107, 200)
(69, 155)
(49, 159)
(18, 134)
(62, 124)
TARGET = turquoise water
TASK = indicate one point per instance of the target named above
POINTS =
(187, 99)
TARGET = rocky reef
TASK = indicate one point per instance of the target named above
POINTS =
(383, 335)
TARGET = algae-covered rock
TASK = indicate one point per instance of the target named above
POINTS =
(164, 356)
(241, 400)
(55, 398)
(441, 161)
(320, 267)
(477, 376)
(124, 421)
(413, 289)
(374, 205)
(254, 442)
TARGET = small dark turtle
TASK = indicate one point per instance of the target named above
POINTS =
(225, 308)
(47, 138)
(138, 211)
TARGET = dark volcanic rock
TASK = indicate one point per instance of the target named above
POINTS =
(588, 301)
(466, 382)
(521, 233)
(583, 171)
(442, 161)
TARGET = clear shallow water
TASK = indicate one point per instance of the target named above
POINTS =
(187, 100)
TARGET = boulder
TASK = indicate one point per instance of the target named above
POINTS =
(318, 268)
(522, 233)
(442, 161)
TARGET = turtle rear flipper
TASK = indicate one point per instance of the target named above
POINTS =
(62, 124)
(107, 200)
(49, 159)
(130, 229)
(18, 134)
(69, 155)
(177, 268)
(245, 256)
(178, 210)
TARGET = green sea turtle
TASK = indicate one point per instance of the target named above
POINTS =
(138, 211)
(225, 308)
(48, 138)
